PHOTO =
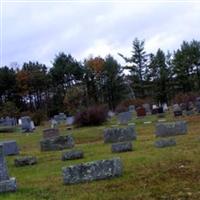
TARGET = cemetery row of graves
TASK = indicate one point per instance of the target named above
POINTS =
(120, 136)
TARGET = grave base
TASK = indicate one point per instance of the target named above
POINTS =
(8, 185)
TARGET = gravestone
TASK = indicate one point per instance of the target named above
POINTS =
(54, 123)
(171, 129)
(113, 135)
(131, 108)
(50, 133)
(177, 110)
(23, 161)
(165, 143)
(111, 114)
(61, 117)
(141, 112)
(121, 147)
(57, 143)
(72, 155)
(7, 184)
(124, 117)
(197, 104)
(91, 171)
(10, 147)
(26, 124)
(154, 109)
(147, 107)
(165, 107)
(70, 120)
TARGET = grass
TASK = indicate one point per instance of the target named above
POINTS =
(149, 173)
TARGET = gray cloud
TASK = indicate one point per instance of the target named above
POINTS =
(38, 31)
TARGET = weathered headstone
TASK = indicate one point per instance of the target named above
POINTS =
(165, 143)
(165, 107)
(124, 117)
(57, 143)
(147, 107)
(7, 184)
(10, 147)
(70, 120)
(121, 147)
(131, 108)
(177, 110)
(72, 155)
(26, 124)
(23, 161)
(91, 171)
(50, 133)
(171, 129)
(141, 112)
(111, 114)
(54, 123)
(113, 135)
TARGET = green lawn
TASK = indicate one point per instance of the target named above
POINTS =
(149, 173)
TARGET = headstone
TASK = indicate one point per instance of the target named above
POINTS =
(154, 109)
(57, 143)
(26, 124)
(165, 107)
(121, 147)
(50, 133)
(61, 117)
(10, 147)
(131, 108)
(70, 120)
(111, 114)
(72, 155)
(23, 161)
(6, 184)
(165, 143)
(147, 107)
(54, 123)
(177, 110)
(113, 135)
(91, 171)
(32, 125)
(124, 117)
(160, 110)
(141, 112)
(171, 129)
(197, 104)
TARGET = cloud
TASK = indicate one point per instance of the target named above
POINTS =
(38, 31)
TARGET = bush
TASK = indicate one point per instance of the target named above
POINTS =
(185, 97)
(94, 115)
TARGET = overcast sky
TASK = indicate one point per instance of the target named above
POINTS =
(39, 31)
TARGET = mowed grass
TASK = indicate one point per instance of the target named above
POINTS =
(148, 173)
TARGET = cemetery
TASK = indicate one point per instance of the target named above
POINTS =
(134, 159)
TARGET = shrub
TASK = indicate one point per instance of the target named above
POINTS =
(94, 115)
(185, 97)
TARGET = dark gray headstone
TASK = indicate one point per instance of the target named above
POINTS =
(124, 117)
(113, 135)
(121, 147)
(164, 143)
(50, 133)
(6, 184)
(72, 155)
(10, 147)
(23, 161)
(97, 170)
(171, 129)
(57, 143)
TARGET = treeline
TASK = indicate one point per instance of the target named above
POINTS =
(69, 85)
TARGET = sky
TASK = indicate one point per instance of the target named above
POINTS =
(38, 30)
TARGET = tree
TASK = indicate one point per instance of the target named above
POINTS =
(7, 84)
(138, 66)
(187, 66)
(113, 84)
(160, 74)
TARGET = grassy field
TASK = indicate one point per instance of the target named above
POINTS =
(149, 173)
